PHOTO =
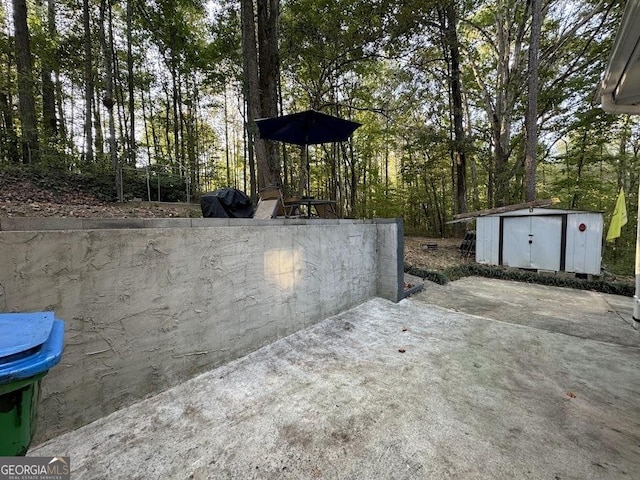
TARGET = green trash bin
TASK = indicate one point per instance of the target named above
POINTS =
(30, 344)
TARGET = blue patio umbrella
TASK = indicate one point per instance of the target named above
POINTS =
(306, 128)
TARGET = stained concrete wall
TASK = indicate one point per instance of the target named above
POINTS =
(150, 303)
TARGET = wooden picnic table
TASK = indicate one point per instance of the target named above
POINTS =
(324, 208)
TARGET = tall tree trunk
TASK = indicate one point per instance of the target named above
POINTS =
(455, 89)
(167, 125)
(147, 140)
(157, 150)
(250, 55)
(581, 160)
(500, 98)
(9, 137)
(227, 146)
(439, 212)
(149, 123)
(88, 83)
(48, 88)
(531, 121)
(98, 136)
(386, 154)
(176, 117)
(122, 114)
(9, 146)
(189, 121)
(353, 177)
(109, 98)
(26, 100)
(182, 126)
(473, 168)
(269, 61)
(71, 126)
(249, 154)
(130, 84)
(198, 139)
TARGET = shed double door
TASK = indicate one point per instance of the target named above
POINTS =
(532, 242)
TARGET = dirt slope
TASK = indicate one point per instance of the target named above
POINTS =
(22, 197)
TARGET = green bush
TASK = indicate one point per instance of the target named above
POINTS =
(172, 187)
(619, 257)
(430, 275)
(477, 270)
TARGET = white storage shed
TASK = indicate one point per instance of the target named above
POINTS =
(541, 239)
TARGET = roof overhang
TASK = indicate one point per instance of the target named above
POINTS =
(620, 87)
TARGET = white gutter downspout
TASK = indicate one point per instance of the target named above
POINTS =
(636, 297)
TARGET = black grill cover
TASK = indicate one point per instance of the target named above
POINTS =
(226, 203)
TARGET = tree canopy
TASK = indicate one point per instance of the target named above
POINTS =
(464, 105)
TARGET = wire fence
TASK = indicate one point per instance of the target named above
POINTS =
(155, 184)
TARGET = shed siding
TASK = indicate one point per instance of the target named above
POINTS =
(584, 249)
(487, 240)
(582, 252)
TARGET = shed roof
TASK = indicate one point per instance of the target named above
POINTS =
(540, 211)
(531, 208)
(469, 216)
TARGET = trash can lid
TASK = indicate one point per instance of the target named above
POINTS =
(20, 332)
(30, 344)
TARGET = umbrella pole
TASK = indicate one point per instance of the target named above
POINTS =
(307, 166)
(304, 170)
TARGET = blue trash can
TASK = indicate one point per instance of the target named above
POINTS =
(30, 344)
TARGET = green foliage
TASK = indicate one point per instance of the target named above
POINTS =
(501, 273)
(618, 257)
(385, 202)
(171, 188)
(379, 62)
(224, 52)
(430, 275)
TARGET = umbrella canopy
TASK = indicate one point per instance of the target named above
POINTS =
(306, 128)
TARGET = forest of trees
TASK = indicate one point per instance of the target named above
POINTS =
(464, 105)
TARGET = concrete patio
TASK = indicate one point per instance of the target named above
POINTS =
(477, 379)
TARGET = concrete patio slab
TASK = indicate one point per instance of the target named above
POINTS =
(397, 391)
(580, 313)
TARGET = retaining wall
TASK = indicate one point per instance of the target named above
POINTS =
(149, 303)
